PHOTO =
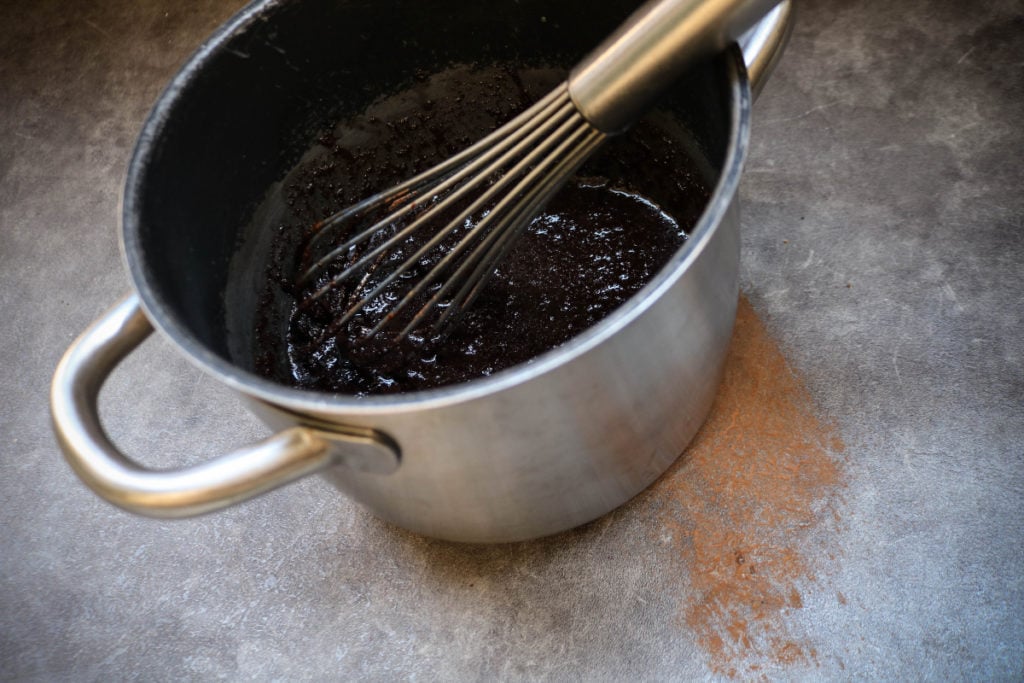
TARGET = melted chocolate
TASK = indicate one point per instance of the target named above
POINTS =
(602, 237)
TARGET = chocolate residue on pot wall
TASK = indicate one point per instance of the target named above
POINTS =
(596, 244)
(747, 508)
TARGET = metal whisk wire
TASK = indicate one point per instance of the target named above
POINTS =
(531, 157)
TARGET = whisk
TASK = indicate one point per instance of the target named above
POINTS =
(468, 211)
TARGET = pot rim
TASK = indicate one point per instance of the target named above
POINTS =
(305, 400)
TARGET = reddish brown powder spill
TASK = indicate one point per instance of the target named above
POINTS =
(746, 505)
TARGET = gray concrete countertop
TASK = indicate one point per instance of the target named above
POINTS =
(883, 258)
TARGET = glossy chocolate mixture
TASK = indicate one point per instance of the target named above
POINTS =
(598, 242)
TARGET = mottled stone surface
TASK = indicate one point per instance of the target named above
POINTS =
(884, 246)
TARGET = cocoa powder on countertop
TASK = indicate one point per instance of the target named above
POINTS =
(747, 505)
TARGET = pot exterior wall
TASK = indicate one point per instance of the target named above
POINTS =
(568, 445)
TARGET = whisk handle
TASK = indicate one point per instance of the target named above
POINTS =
(616, 82)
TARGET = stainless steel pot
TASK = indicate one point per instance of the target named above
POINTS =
(530, 451)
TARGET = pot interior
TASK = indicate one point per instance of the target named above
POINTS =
(240, 115)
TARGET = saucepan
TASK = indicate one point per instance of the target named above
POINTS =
(529, 451)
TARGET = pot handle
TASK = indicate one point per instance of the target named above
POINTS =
(763, 44)
(231, 478)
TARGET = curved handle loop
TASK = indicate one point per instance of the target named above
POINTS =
(230, 478)
(764, 43)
